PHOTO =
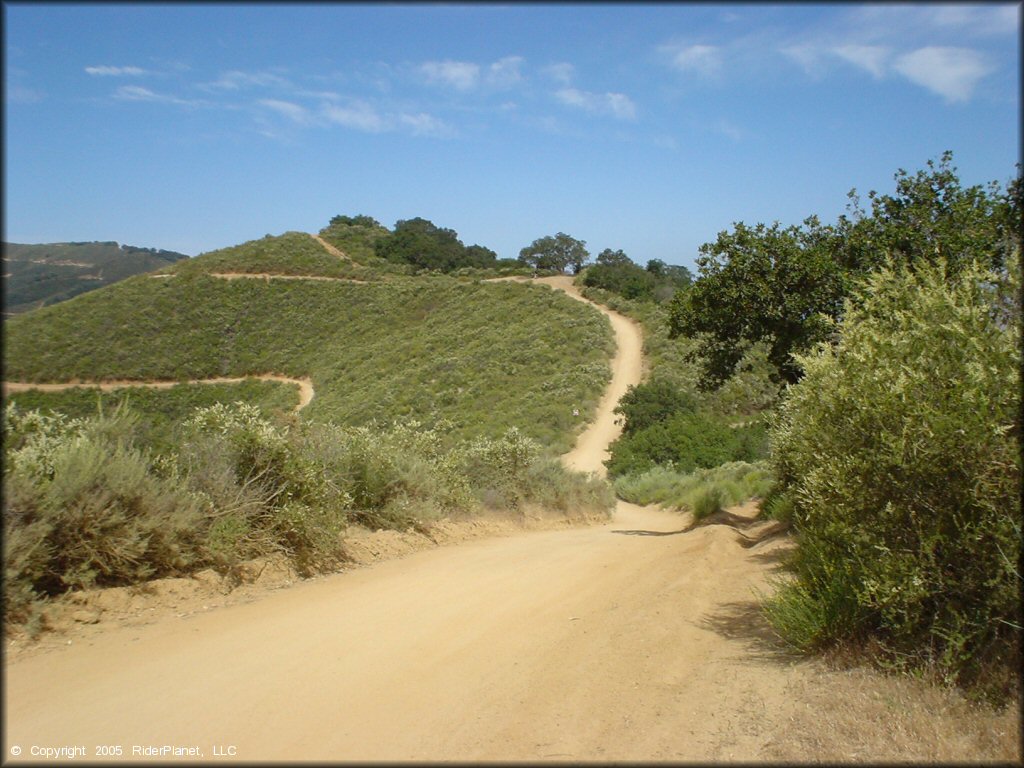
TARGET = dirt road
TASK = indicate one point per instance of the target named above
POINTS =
(591, 643)
(636, 640)
(304, 384)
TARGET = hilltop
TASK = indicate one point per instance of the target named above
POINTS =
(470, 356)
(43, 274)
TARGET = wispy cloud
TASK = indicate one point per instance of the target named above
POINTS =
(944, 48)
(912, 20)
(950, 72)
(703, 59)
(138, 93)
(871, 58)
(561, 72)
(108, 71)
(294, 112)
(616, 104)
(504, 73)
(359, 115)
(422, 124)
(461, 75)
(235, 80)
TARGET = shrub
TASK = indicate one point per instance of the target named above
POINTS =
(646, 404)
(686, 441)
(900, 453)
(703, 492)
(82, 508)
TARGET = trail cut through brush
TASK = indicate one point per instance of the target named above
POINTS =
(638, 639)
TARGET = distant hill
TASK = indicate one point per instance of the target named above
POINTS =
(47, 273)
(460, 354)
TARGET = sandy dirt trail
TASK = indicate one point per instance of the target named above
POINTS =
(632, 640)
(304, 384)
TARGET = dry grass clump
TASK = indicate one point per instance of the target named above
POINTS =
(857, 715)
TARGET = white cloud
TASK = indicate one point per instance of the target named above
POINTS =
(703, 59)
(358, 115)
(236, 79)
(106, 71)
(616, 104)
(461, 75)
(562, 72)
(871, 58)
(808, 56)
(950, 72)
(423, 124)
(138, 93)
(504, 73)
(294, 112)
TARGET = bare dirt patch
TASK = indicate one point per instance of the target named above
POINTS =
(304, 384)
(330, 248)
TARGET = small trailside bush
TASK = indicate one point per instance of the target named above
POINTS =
(511, 471)
(82, 507)
(899, 456)
(702, 492)
(685, 442)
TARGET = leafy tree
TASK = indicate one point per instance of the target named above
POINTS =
(675, 274)
(615, 271)
(931, 217)
(558, 252)
(424, 245)
(651, 402)
(610, 258)
(786, 286)
(359, 220)
(478, 256)
(770, 284)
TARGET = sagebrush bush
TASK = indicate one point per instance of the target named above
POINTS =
(899, 452)
(703, 492)
(82, 507)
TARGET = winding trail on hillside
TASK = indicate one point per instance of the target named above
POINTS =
(634, 640)
(304, 384)
(329, 248)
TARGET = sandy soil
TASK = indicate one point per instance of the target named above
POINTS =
(636, 640)
(329, 248)
(305, 385)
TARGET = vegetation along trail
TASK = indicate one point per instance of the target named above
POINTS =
(304, 384)
(637, 640)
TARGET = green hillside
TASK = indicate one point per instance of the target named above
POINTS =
(293, 253)
(44, 274)
(472, 357)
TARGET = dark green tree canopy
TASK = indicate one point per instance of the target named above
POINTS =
(557, 252)
(615, 271)
(931, 217)
(425, 246)
(786, 286)
(359, 220)
(760, 283)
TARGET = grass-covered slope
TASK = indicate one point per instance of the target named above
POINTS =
(293, 253)
(482, 356)
(42, 274)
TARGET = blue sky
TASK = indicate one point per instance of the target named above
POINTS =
(648, 128)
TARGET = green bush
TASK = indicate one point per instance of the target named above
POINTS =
(82, 507)
(684, 442)
(900, 453)
(703, 492)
